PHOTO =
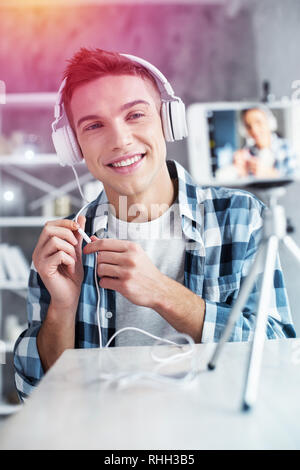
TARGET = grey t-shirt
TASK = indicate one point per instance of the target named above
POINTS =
(163, 241)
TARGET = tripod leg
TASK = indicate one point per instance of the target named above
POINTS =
(255, 359)
(239, 304)
(292, 246)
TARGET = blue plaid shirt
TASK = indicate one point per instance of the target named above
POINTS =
(222, 229)
(285, 157)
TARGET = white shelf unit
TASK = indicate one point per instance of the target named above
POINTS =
(20, 167)
(30, 99)
(23, 221)
(20, 160)
(17, 100)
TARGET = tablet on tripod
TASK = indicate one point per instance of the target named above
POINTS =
(235, 143)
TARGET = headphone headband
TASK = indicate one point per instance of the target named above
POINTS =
(164, 86)
(58, 104)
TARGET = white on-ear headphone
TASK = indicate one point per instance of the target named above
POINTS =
(172, 116)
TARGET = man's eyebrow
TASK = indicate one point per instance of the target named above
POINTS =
(125, 106)
(133, 103)
(90, 117)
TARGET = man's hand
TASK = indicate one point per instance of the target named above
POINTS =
(240, 160)
(58, 260)
(257, 168)
(125, 267)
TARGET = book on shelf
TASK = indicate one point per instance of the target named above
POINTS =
(13, 263)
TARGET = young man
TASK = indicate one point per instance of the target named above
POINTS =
(155, 277)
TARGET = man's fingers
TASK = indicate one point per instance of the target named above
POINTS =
(65, 230)
(110, 257)
(81, 222)
(253, 164)
(106, 244)
(57, 259)
(109, 270)
(55, 244)
(66, 223)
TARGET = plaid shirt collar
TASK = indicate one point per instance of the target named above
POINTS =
(190, 207)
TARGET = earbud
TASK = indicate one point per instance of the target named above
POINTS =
(84, 235)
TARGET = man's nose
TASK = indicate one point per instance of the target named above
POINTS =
(253, 130)
(120, 136)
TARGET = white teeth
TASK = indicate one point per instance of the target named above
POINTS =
(128, 162)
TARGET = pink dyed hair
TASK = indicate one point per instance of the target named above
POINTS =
(89, 64)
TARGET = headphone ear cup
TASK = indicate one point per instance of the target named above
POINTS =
(166, 123)
(178, 119)
(76, 154)
(174, 120)
(66, 146)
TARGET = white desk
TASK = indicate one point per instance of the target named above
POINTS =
(72, 410)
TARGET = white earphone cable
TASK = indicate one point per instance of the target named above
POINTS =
(132, 328)
(98, 303)
(126, 378)
(79, 187)
(95, 279)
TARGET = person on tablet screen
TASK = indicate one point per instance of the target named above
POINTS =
(265, 155)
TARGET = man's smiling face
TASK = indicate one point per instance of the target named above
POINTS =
(257, 126)
(118, 126)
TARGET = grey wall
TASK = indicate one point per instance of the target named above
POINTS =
(277, 39)
(205, 53)
(208, 52)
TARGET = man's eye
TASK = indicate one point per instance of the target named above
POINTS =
(96, 125)
(136, 115)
